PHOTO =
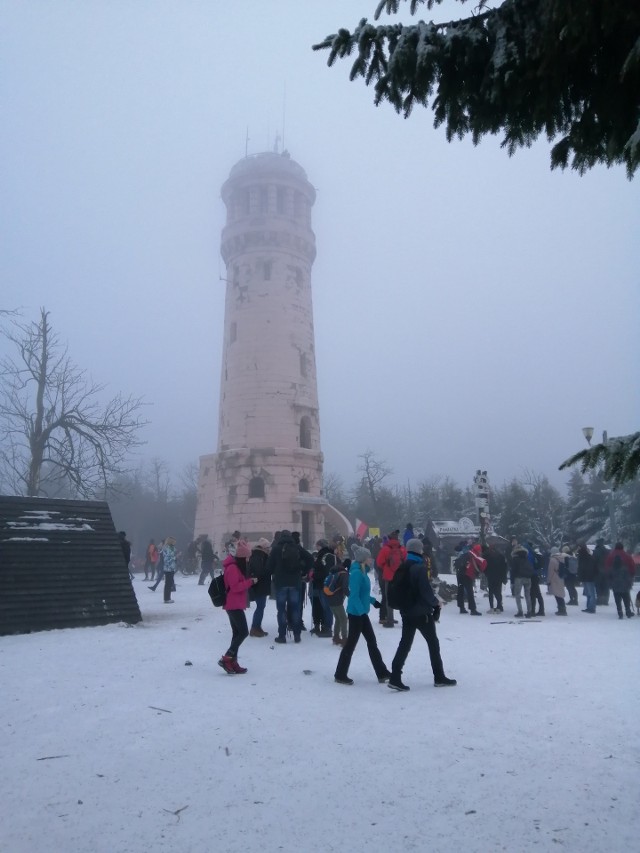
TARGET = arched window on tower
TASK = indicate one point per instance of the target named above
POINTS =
(305, 432)
(281, 200)
(303, 485)
(267, 269)
(264, 200)
(304, 364)
(256, 487)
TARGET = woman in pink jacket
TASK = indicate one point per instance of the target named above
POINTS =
(236, 585)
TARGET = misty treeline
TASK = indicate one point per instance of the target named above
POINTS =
(526, 506)
(150, 503)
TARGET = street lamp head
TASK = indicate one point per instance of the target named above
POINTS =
(588, 434)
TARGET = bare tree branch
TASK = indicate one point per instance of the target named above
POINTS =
(57, 428)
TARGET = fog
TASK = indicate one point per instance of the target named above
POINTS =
(471, 309)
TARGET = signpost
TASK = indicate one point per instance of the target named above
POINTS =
(481, 482)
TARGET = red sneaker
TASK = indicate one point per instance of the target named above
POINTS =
(239, 670)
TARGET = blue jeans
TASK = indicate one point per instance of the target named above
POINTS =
(589, 590)
(288, 604)
(260, 602)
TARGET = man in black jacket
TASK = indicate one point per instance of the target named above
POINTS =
(422, 616)
(496, 573)
(206, 559)
(286, 566)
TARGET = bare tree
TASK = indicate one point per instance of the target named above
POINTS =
(374, 472)
(54, 424)
(159, 479)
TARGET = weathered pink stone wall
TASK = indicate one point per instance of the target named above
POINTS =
(267, 472)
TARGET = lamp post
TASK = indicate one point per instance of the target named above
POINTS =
(588, 434)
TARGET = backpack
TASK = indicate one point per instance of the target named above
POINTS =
(460, 562)
(218, 591)
(290, 558)
(394, 559)
(400, 593)
(562, 568)
(332, 582)
(572, 565)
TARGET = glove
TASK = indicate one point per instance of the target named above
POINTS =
(436, 614)
(376, 604)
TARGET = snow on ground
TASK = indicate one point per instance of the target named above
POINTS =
(111, 744)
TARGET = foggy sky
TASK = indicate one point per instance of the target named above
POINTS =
(471, 309)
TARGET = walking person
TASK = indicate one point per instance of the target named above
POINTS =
(521, 572)
(571, 575)
(286, 567)
(536, 594)
(621, 572)
(321, 614)
(236, 603)
(260, 592)
(125, 545)
(555, 581)
(359, 603)
(391, 555)
(496, 573)
(169, 564)
(587, 573)
(466, 575)
(159, 567)
(207, 558)
(336, 590)
(600, 553)
(150, 560)
(421, 614)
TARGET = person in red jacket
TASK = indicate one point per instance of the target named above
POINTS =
(236, 585)
(391, 555)
(621, 571)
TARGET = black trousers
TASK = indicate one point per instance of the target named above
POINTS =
(495, 591)
(317, 613)
(205, 571)
(427, 627)
(239, 631)
(360, 625)
(536, 595)
(168, 585)
(465, 585)
(621, 598)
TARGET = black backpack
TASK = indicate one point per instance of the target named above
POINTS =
(218, 591)
(291, 558)
(460, 562)
(400, 592)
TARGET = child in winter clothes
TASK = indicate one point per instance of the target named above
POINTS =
(336, 598)
(236, 585)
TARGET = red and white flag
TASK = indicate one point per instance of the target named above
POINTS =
(361, 528)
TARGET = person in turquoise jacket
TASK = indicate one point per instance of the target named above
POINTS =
(360, 601)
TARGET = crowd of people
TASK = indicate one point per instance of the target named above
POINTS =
(334, 582)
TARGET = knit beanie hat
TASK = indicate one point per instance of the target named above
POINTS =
(415, 546)
(242, 549)
(263, 544)
(360, 555)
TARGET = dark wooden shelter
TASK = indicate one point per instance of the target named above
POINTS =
(61, 566)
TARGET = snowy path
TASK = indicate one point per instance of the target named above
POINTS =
(110, 744)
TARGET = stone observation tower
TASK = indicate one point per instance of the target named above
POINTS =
(267, 472)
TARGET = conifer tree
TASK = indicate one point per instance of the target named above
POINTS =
(524, 68)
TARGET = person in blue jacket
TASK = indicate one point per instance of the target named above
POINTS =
(360, 600)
